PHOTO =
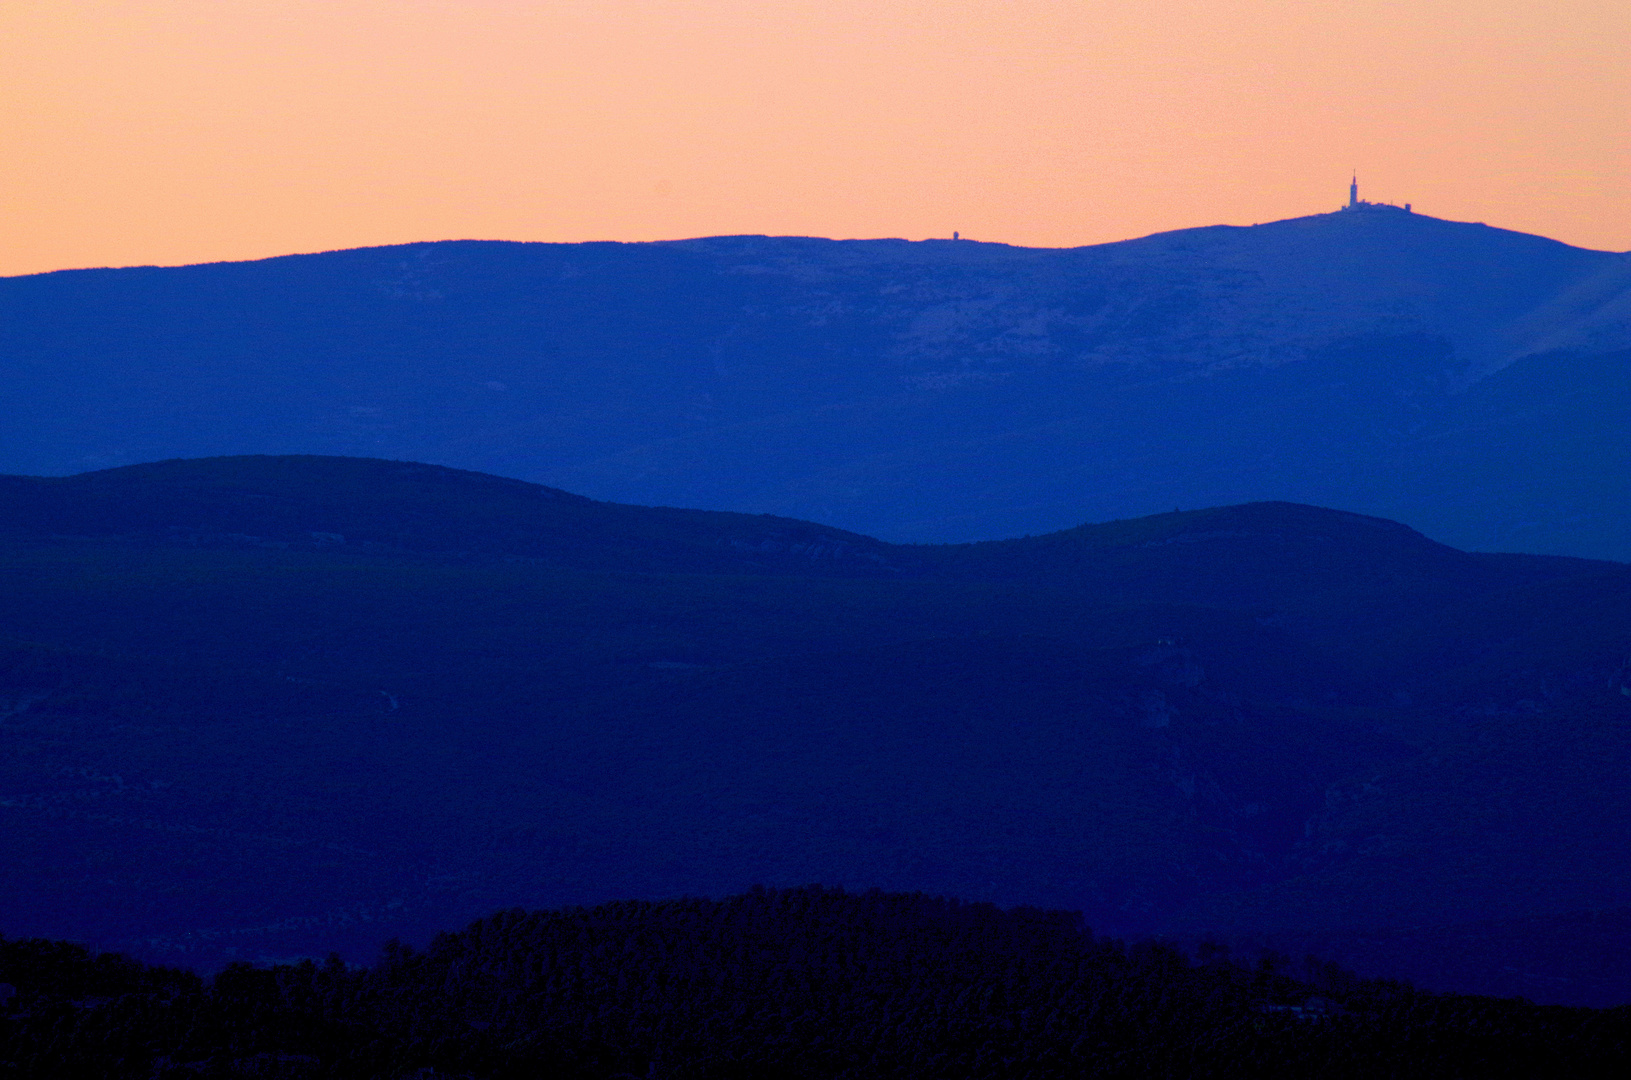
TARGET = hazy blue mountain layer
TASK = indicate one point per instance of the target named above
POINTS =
(269, 706)
(1465, 380)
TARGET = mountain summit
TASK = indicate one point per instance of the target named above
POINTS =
(1453, 376)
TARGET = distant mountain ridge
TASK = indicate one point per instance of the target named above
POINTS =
(1457, 377)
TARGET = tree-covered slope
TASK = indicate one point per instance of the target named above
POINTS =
(269, 707)
(798, 982)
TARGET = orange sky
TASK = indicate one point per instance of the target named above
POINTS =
(174, 131)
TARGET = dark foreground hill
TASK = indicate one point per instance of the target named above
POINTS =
(268, 707)
(1462, 379)
(791, 983)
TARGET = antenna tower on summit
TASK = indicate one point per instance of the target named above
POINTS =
(1356, 203)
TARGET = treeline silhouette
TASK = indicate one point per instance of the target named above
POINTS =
(805, 982)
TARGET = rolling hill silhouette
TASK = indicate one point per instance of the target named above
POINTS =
(267, 706)
(1463, 379)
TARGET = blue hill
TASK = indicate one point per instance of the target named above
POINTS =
(1462, 379)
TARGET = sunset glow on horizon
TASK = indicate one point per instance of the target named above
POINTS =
(182, 131)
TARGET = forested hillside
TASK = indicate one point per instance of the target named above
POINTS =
(268, 707)
(774, 983)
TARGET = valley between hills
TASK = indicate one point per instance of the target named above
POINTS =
(261, 707)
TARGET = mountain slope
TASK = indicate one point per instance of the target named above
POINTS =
(227, 733)
(935, 391)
